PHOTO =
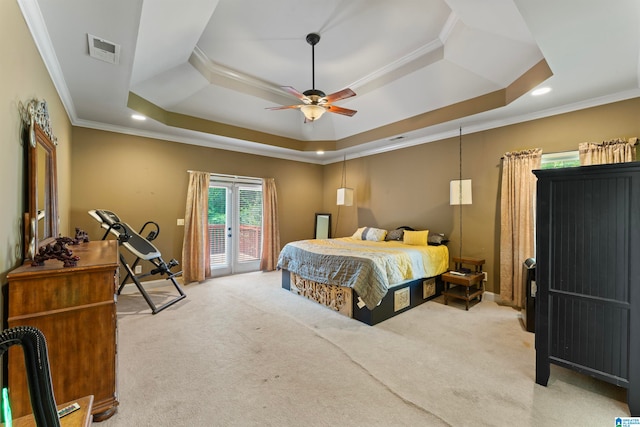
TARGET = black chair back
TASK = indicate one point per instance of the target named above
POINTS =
(36, 360)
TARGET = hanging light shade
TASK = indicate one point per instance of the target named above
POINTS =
(345, 196)
(312, 112)
(460, 192)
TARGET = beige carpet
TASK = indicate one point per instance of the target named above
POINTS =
(240, 351)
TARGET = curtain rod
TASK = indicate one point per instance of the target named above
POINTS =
(532, 149)
(636, 142)
(222, 175)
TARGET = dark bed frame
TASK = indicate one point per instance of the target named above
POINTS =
(386, 309)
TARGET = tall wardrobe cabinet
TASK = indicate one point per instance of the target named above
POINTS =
(588, 274)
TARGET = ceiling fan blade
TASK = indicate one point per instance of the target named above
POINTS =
(295, 93)
(285, 107)
(340, 110)
(344, 93)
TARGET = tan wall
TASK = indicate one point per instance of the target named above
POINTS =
(411, 186)
(142, 179)
(23, 78)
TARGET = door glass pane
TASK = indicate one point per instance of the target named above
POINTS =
(250, 216)
(217, 226)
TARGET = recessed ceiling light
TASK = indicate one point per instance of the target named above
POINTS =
(541, 91)
(138, 117)
(319, 152)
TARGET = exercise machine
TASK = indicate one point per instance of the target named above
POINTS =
(142, 248)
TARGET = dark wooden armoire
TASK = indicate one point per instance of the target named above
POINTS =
(588, 274)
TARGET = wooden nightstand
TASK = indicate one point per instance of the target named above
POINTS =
(467, 286)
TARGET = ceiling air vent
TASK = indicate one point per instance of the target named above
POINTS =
(103, 50)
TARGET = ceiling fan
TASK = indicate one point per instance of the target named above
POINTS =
(315, 102)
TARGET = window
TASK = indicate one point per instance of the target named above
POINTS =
(250, 219)
(565, 159)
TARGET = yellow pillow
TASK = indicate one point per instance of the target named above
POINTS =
(418, 238)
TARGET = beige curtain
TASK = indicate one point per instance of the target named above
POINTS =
(195, 248)
(614, 151)
(517, 221)
(270, 229)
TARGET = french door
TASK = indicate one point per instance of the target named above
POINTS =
(235, 225)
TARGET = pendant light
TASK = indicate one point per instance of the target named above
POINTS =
(460, 189)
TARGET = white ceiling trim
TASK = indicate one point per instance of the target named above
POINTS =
(395, 65)
(35, 22)
(448, 27)
(202, 62)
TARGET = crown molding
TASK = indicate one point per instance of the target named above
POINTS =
(35, 22)
(207, 140)
(210, 70)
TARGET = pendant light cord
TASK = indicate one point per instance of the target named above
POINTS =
(460, 189)
(344, 172)
(343, 184)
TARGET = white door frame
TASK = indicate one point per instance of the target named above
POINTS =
(232, 262)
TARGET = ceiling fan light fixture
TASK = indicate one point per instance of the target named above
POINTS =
(316, 102)
(312, 112)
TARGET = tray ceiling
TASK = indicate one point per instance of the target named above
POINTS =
(204, 72)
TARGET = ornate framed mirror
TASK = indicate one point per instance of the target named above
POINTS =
(323, 226)
(41, 218)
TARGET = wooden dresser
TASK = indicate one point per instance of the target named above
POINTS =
(78, 418)
(75, 308)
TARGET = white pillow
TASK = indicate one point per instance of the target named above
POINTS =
(370, 233)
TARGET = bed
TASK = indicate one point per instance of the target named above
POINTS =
(367, 278)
